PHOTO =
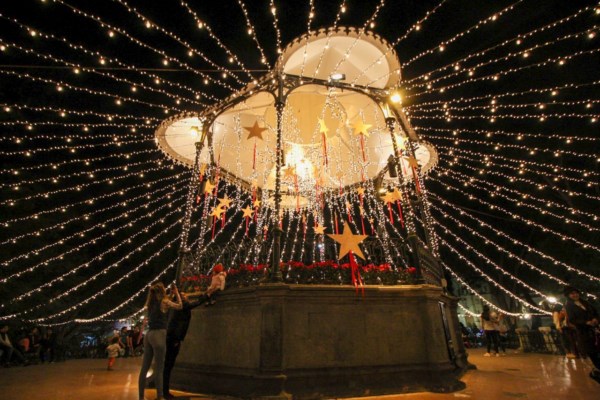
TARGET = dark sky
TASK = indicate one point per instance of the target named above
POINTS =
(33, 65)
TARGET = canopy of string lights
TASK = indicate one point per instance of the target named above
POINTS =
(129, 128)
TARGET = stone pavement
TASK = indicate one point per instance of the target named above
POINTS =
(516, 376)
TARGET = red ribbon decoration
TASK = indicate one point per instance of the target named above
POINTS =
(362, 147)
(355, 273)
(246, 234)
(400, 213)
(325, 147)
(254, 156)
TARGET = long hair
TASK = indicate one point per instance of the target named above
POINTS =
(155, 295)
(486, 313)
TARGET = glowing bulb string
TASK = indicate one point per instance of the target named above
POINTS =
(369, 23)
(86, 161)
(330, 32)
(79, 67)
(86, 216)
(91, 174)
(501, 249)
(203, 25)
(276, 25)
(499, 269)
(489, 279)
(189, 47)
(542, 116)
(37, 150)
(311, 15)
(515, 178)
(520, 37)
(82, 233)
(514, 240)
(527, 135)
(495, 96)
(497, 188)
(483, 158)
(496, 75)
(79, 187)
(110, 286)
(65, 207)
(60, 86)
(104, 59)
(144, 45)
(67, 112)
(414, 28)
(459, 68)
(522, 219)
(503, 144)
(442, 45)
(85, 265)
(252, 32)
(480, 297)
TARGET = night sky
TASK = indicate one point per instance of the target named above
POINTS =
(89, 194)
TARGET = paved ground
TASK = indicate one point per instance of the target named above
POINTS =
(516, 376)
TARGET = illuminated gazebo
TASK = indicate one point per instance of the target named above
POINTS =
(322, 140)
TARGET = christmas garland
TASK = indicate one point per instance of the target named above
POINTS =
(318, 273)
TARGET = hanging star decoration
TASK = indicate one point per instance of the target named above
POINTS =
(322, 127)
(360, 128)
(290, 172)
(412, 162)
(208, 187)
(396, 194)
(225, 201)
(348, 242)
(255, 131)
(256, 203)
(319, 230)
(247, 212)
(217, 211)
(360, 191)
(388, 197)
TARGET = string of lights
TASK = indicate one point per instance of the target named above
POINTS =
(514, 240)
(518, 217)
(510, 254)
(102, 59)
(517, 40)
(63, 208)
(252, 32)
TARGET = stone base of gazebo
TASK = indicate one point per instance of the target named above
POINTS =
(310, 341)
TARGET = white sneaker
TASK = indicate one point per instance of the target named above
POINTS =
(487, 355)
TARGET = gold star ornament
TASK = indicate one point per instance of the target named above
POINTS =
(208, 187)
(348, 242)
(360, 128)
(247, 212)
(255, 131)
(319, 230)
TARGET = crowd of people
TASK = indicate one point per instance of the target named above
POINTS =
(27, 346)
(576, 324)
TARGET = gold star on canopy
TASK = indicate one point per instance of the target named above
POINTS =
(217, 211)
(247, 212)
(360, 128)
(254, 131)
(208, 187)
(388, 197)
(290, 172)
(322, 127)
(349, 242)
(256, 203)
(412, 162)
(319, 230)
(396, 194)
(203, 169)
(360, 190)
(225, 201)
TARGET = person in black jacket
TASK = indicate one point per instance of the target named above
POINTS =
(585, 318)
(177, 328)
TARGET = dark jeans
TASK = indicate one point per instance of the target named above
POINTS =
(155, 343)
(586, 338)
(173, 346)
(492, 337)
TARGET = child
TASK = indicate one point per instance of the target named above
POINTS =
(113, 351)
(217, 283)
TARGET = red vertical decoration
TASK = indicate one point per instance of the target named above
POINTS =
(355, 273)
(400, 213)
(254, 156)
(325, 148)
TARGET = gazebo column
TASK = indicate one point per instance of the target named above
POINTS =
(275, 275)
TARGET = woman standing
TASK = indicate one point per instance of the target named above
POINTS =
(155, 341)
(489, 321)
